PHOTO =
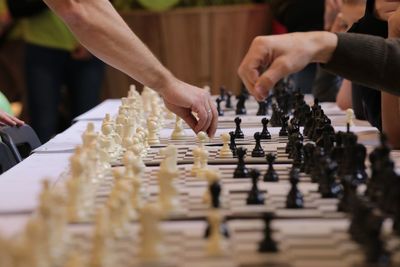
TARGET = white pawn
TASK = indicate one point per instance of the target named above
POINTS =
(196, 161)
(225, 151)
(153, 138)
(151, 249)
(89, 135)
(216, 245)
(350, 117)
(203, 158)
(179, 132)
(101, 240)
(207, 89)
(202, 138)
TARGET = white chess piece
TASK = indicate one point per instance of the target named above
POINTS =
(203, 158)
(101, 240)
(225, 151)
(216, 245)
(89, 135)
(207, 89)
(151, 249)
(152, 127)
(167, 173)
(202, 138)
(196, 161)
(179, 132)
(350, 117)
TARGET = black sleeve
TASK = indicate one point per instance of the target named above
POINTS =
(368, 60)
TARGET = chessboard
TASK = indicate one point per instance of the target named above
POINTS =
(319, 243)
(276, 146)
(192, 189)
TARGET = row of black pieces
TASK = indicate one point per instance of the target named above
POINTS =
(267, 244)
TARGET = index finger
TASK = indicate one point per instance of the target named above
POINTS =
(214, 122)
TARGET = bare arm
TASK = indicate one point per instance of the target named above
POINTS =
(99, 27)
(344, 98)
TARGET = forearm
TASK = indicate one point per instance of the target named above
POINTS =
(367, 60)
(391, 118)
(98, 27)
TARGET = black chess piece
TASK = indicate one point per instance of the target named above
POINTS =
(268, 244)
(348, 195)
(271, 175)
(276, 115)
(238, 132)
(228, 101)
(232, 144)
(241, 170)
(308, 157)
(379, 158)
(262, 108)
(298, 156)
(215, 192)
(258, 151)
(284, 123)
(328, 187)
(222, 93)
(255, 197)
(294, 199)
(220, 111)
(240, 105)
(265, 134)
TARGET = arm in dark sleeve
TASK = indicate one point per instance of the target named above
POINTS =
(368, 60)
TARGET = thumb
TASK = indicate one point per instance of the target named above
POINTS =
(278, 70)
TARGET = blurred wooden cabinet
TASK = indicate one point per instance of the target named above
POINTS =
(202, 46)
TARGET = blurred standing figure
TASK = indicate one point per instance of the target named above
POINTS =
(301, 16)
(54, 60)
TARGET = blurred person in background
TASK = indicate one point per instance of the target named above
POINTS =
(54, 60)
(301, 16)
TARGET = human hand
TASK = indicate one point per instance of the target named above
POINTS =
(385, 8)
(332, 8)
(339, 25)
(184, 99)
(5, 118)
(394, 24)
(281, 55)
(81, 53)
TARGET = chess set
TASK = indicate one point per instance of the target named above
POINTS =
(298, 195)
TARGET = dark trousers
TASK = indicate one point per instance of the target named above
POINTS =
(47, 72)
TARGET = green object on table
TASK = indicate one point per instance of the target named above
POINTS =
(4, 104)
(158, 5)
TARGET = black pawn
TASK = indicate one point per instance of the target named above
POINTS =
(255, 197)
(265, 134)
(228, 102)
(222, 93)
(240, 105)
(232, 144)
(220, 111)
(238, 132)
(284, 123)
(294, 199)
(241, 171)
(271, 175)
(267, 244)
(215, 192)
(258, 151)
(262, 108)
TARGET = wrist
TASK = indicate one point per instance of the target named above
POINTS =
(163, 81)
(324, 44)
